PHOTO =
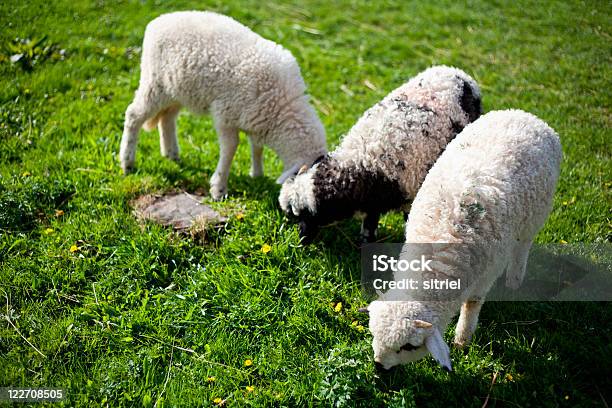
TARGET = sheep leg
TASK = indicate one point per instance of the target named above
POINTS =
(228, 142)
(468, 320)
(369, 227)
(135, 116)
(515, 273)
(256, 159)
(168, 142)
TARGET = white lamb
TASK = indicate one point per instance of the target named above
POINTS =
(488, 195)
(384, 158)
(209, 62)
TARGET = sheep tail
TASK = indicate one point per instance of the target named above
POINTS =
(151, 124)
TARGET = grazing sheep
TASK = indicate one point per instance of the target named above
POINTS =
(382, 161)
(209, 62)
(487, 196)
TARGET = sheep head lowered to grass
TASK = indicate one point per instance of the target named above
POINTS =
(207, 62)
(484, 201)
(384, 158)
(404, 332)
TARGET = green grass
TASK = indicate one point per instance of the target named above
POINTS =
(138, 315)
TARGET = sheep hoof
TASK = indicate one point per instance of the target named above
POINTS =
(218, 194)
(170, 154)
(367, 239)
(460, 343)
(127, 169)
(173, 157)
(256, 173)
(219, 198)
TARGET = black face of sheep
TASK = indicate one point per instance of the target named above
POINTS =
(308, 231)
(308, 226)
(329, 211)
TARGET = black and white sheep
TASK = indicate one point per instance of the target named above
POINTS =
(209, 62)
(382, 161)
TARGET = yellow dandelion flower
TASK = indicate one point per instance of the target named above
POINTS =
(354, 323)
(26, 174)
(338, 307)
(49, 231)
(59, 213)
(210, 379)
(360, 328)
(563, 241)
(248, 362)
(74, 248)
(240, 216)
(509, 377)
(266, 248)
(250, 388)
(219, 401)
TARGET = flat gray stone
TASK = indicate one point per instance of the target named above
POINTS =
(181, 211)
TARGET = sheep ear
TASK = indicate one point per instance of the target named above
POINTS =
(438, 349)
(287, 173)
(302, 170)
(421, 324)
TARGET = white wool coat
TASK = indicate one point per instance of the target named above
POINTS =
(489, 194)
(207, 62)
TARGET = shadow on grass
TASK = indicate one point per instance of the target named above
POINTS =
(341, 241)
(536, 351)
(257, 188)
(195, 179)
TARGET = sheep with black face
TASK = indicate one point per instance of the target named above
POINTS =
(384, 158)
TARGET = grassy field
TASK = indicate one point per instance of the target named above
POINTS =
(120, 314)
